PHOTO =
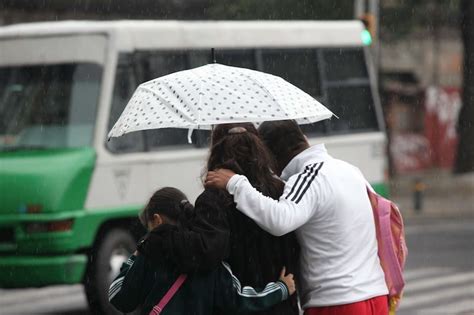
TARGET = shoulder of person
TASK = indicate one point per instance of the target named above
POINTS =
(308, 179)
(340, 164)
(214, 195)
(156, 238)
(310, 171)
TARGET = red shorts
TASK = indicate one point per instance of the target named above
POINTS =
(374, 306)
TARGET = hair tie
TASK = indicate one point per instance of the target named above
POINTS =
(237, 130)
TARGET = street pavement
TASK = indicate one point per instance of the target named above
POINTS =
(439, 275)
(440, 267)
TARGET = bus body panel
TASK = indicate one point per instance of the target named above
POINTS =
(44, 50)
(38, 271)
(47, 258)
(45, 180)
(29, 239)
(141, 35)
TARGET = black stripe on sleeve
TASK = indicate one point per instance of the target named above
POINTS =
(306, 177)
(297, 181)
(309, 182)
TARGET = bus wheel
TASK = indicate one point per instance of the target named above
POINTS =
(111, 250)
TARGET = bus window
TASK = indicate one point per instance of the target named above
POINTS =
(198, 58)
(159, 63)
(348, 91)
(297, 66)
(154, 64)
(244, 58)
(49, 106)
(300, 68)
(344, 64)
(125, 85)
(354, 106)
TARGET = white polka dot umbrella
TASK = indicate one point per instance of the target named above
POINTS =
(216, 94)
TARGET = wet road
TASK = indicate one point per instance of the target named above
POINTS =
(439, 274)
(440, 268)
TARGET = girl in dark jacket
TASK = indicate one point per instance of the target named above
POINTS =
(220, 232)
(142, 283)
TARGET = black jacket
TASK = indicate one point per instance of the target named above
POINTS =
(219, 232)
(143, 284)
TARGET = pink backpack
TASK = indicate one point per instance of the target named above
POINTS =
(391, 243)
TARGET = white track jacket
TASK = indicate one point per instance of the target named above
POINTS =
(325, 200)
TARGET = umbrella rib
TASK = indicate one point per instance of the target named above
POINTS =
(166, 102)
(198, 114)
(261, 86)
(275, 100)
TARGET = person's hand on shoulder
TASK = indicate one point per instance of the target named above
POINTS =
(288, 281)
(218, 178)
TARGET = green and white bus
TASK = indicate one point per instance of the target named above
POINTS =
(69, 199)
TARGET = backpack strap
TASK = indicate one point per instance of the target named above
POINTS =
(158, 308)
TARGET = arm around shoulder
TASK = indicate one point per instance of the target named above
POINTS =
(232, 296)
(278, 217)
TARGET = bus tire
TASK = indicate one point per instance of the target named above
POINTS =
(111, 249)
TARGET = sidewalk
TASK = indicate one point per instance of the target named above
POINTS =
(445, 195)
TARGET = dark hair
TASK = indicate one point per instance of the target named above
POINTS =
(169, 202)
(284, 139)
(244, 153)
(256, 256)
(220, 131)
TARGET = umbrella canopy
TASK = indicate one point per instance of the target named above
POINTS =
(216, 94)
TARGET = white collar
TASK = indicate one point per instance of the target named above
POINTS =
(314, 153)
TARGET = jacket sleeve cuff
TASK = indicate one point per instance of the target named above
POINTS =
(233, 183)
(285, 293)
(131, 260)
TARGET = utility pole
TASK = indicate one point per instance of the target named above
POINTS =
(374, 10)
(359, 8)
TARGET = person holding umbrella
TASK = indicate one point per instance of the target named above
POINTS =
(325, 201)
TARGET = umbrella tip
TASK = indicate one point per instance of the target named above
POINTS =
(213, 55)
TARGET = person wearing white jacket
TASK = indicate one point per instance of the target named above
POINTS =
(325, 200)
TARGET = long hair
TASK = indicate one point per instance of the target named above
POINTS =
(238, 147)
(256, 256)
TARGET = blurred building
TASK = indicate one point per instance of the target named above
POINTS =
(421, 77)
(16, 11)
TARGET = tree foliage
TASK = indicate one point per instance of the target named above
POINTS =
(399, 18)
(280, 9)
(193, 9)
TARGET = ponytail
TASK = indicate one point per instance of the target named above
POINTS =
(169, 202)
(186, 212)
